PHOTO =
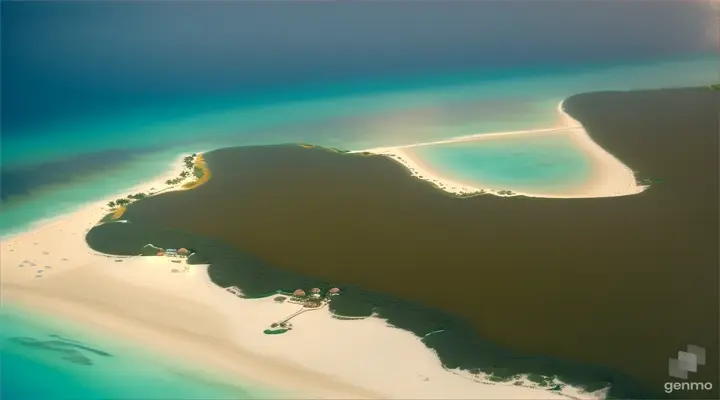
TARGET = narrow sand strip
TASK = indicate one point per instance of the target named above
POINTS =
(184, 315)
(610, 177)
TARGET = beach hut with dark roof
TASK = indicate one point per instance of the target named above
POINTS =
(299, 293)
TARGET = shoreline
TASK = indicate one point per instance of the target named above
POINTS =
(172, 170)
(610, 177)
(493, 274)
(63, 295)
(186, 316)
(199, 349)
(72, 271)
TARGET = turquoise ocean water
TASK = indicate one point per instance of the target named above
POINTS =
(353, 117)
(43, 358)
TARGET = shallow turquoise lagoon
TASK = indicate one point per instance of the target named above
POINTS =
(44, 359)
(523, 163)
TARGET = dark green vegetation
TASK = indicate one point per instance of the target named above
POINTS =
(198, 172)
(189, 161)
(594, 290)
(189, 164)
(275, 331)
(174, 181)
(122, 202)
(715, 87)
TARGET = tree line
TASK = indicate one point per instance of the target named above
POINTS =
(189, 163)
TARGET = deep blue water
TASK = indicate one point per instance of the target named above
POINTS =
(68, 59)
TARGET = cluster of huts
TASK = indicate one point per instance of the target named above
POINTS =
(314, 293)
(314, 299)
(181, 252)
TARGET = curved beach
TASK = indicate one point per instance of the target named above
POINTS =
(609, 176)
(502, 266)
(185, 316)
(186, 210)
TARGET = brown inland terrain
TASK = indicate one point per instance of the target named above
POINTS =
(622, 282)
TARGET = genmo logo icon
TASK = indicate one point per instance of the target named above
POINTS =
(680, 367)
(686, 361)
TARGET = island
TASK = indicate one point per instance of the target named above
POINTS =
(569, 288)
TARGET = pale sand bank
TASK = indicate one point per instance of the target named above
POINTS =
(185, 315)
(609, 176)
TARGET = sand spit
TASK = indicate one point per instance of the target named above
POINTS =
(146, 300)
(181, 313)
(140, 298)
(153, 302)
(610, 177)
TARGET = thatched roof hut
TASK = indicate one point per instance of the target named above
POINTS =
(299, 293)
(315, 290)
(182, 250)
(160, 253)
(334, 291)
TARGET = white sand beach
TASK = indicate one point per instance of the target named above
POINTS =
(183, 314)
(609, 177)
